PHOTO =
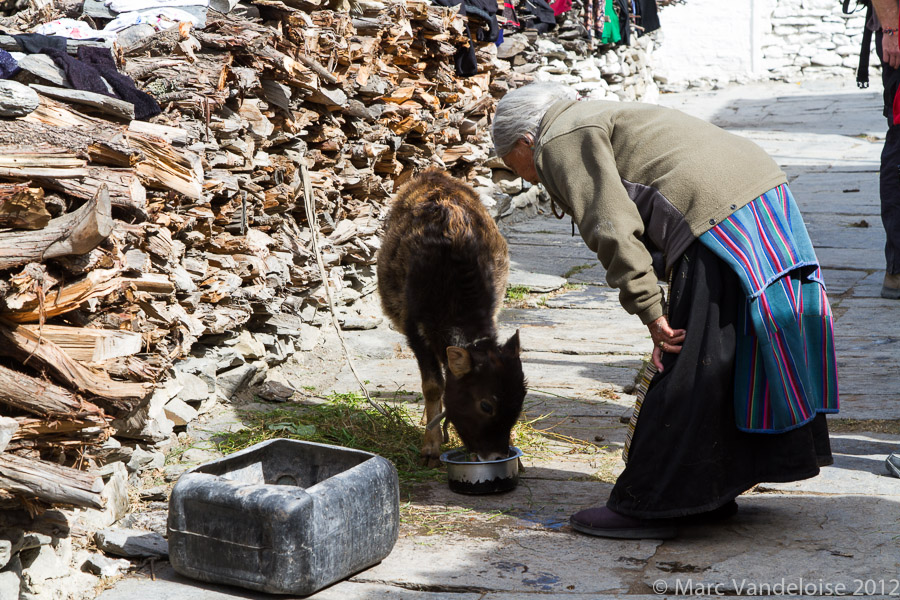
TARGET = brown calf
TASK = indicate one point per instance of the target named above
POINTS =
(442, 272)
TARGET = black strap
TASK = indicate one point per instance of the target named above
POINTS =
(862, 73)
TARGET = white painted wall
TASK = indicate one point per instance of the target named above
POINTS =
(738, 40)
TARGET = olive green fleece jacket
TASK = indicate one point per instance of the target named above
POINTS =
(640, 179)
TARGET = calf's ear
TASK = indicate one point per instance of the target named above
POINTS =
(512, 344)
(459, 361)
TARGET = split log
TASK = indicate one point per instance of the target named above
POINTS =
(164, 167)
(22, 207)
(74, 233)
(41, 397)
(56, 431)
(49, 482)
(90, 345)
(26, 345)
(105, 104)
(125, 188)
(171, 134)
(98, 283)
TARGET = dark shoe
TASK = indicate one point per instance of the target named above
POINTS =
(604, 522)
(893, 464)
(725, 511)
(890, 289)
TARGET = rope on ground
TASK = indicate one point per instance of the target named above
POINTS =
(309, 204)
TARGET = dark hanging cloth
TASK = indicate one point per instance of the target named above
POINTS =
(80, 76)
(647, 16)
(686, 454)
(624, 21)
(537, 14)
(510, 15)
(481, 14)
(465, 60)
(8, 65)
(35, 43)
(101, 59)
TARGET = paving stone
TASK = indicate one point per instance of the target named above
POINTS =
(537, 283)
(131, 543)
(103, 566)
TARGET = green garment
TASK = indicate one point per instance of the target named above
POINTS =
(639, 180)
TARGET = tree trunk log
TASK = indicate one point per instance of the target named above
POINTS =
(41, 397)
(75, 233)
(49, 482)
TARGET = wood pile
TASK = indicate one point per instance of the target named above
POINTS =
(128, 245)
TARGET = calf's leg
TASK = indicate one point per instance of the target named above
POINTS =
(432, 390)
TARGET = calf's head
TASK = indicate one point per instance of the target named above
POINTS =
(484, 393)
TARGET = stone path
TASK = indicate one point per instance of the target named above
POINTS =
(835, 533)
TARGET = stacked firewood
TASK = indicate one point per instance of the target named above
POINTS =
(125, 242)
(131, 250)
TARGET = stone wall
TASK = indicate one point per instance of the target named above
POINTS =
(705, 43)
(812, 38)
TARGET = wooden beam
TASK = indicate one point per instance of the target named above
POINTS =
(75, 233)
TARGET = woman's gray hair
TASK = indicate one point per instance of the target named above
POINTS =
(520, 111)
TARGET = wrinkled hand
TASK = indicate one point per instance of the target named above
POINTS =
(890, 50)
(665, 339)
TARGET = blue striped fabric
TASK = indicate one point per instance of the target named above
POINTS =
(785, 368)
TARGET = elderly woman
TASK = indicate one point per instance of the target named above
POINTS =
(743, 356)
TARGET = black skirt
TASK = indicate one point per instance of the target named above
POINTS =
(687, 456)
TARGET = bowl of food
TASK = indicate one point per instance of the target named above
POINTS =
(468, 475)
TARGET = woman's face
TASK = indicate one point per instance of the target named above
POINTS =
(521, 160)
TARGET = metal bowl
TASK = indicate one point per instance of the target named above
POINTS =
(481, 477)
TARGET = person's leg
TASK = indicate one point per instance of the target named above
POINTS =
(890, 181)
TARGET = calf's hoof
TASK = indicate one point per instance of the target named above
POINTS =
(430, 460)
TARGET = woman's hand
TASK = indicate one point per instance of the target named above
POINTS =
(665, 339)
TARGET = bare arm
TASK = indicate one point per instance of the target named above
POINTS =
(889, 15)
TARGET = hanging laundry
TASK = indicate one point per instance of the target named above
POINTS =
(72, 29)
(8, 65)
(538, 15)
(33, 43)
(123, 6)
(101, 59)
(160, 18)
(561, 6)
(646, 17)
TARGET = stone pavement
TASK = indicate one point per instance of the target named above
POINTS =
(837, 533)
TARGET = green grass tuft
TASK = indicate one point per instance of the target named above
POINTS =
(343, 420)
(577, 269)
(517, 292)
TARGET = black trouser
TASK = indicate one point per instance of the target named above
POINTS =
(890, 166)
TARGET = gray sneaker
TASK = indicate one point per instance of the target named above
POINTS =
(890, 289)
(892, 463)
